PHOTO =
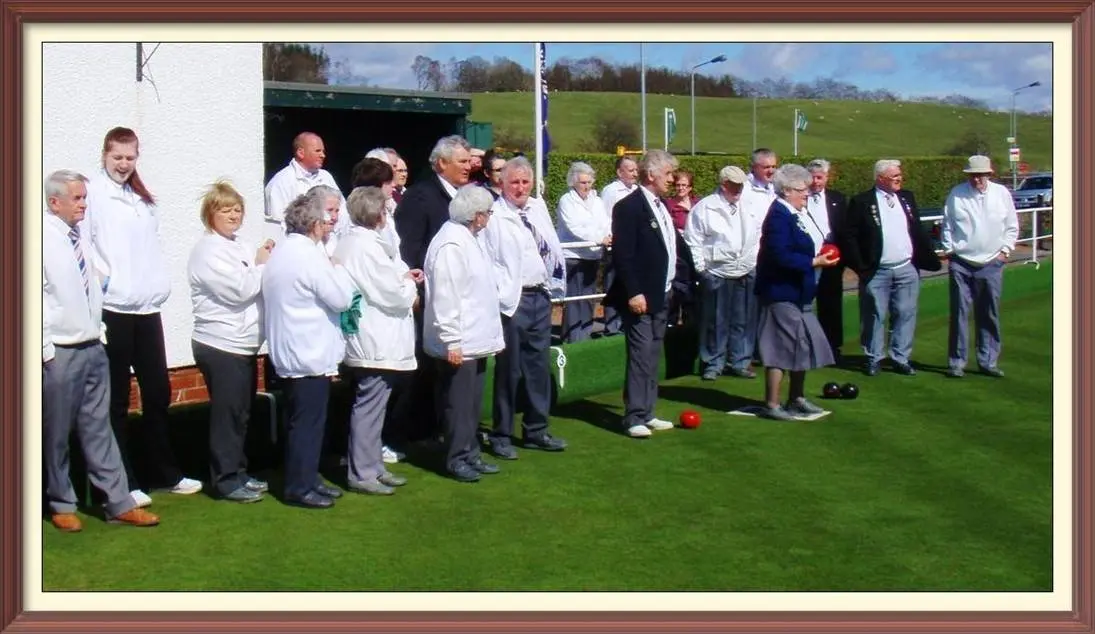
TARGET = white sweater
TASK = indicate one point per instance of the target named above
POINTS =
(303, 297)
(977, 226)
(225, 290)
(461, 309)
(582, 221)
(385, 337)
(69, 315)
(125, 247)
(724, 239)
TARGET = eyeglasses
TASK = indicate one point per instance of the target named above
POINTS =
(683, 184)
(400, 171)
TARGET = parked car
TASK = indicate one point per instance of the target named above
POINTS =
(1035, 190)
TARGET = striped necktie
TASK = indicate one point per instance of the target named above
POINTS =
(74, 236)
(553, 268)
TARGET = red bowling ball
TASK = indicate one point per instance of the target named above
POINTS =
(690, 419)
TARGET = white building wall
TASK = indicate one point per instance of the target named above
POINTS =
(198, 114)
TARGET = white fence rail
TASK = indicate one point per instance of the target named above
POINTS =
(1033, 239)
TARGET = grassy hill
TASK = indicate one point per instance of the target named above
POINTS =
(836, 128)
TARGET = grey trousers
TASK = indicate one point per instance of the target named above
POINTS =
(645, 334)
(981, 286)
(372, 390)
(459, 398)
(893, 293)
(76, 395)
(528, 336)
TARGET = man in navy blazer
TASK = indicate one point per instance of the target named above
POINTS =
(644, 252)
(886, 246)
(419, 215)
(826, 207)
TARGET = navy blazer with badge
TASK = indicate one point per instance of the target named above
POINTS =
(862, 248)
(785, 263)
(421, 212)
(638, 254)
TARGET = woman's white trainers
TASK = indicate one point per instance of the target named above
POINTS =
(186, 486)
(141, 498)
(658, 424)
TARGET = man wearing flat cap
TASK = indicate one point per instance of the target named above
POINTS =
(723, 236)
(980, 227)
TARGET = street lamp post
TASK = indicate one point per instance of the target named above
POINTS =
(1014, 132)
(713, 60)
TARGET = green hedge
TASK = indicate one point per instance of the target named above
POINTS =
(929, 177)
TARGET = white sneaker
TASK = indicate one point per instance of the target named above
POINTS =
(388, 455)
(638, 431)
(658, 424)
(141, 498)
(186, 486)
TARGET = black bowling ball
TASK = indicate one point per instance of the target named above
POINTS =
(831, 390)
(849, 391)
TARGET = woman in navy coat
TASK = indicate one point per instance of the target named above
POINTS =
(789, 336)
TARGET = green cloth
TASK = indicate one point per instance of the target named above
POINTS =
(349, 318)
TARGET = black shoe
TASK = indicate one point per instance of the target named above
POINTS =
(545, 442)
(870, 369)
(464, 473)
(993, 372)
(502, 450)
(484, 468)
(905, 369)
(311, 500)
(327, 491)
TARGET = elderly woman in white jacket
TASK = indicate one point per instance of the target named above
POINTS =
(225, 289)
(581, 217)
(304, 295)
(379, 331)
(462, 327)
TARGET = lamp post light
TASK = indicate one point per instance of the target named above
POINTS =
(1014, 133)
(713, 60)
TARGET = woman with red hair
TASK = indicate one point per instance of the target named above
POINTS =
(123, 223)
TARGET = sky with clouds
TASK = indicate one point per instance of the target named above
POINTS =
(986, 71)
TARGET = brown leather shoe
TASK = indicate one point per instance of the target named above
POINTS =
(136, 517)
(67, 522)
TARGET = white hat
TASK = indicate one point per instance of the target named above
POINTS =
(733, 174)
(978, 164)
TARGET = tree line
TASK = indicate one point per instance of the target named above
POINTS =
(310, 64)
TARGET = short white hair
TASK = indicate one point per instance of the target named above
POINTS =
(578, 168)
(366, 206)
(57, 183)
(884, 164)
(517, 163)
(654, 161)
(470, 199)
(818, 165)
(380, 154)
(446, 147)
(790, 176)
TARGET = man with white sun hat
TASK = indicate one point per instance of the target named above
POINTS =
(980, 228)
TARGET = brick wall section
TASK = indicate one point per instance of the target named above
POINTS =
(187, 386)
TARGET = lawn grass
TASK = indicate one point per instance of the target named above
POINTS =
(922, 484)
(836, 128)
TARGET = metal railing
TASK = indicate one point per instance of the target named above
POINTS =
(1035, 227)
(935, 220)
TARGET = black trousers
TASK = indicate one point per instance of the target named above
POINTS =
(232, 381)
(830, 306)
(136, 341)
(524, 364)
(412, 410)
(306, 407)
